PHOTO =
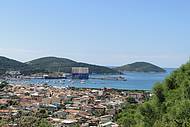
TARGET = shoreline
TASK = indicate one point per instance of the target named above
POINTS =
(84, 88)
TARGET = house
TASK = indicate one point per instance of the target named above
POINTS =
(81, 100)
(109, 124)
(111, 111)
(60, 114)
(36, 96)
(87, 108)
(137, 96)
(106, 118)
(98, 110)
(5, 113)
(13, 74)
(68, 123)
(25, 101)
(55, 121)
(4, 101)
(49, 107)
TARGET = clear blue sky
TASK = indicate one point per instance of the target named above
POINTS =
(104, 32)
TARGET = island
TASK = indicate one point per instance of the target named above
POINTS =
(139, 67)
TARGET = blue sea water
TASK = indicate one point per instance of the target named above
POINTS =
(135, 81)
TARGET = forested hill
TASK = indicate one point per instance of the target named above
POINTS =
(7, 64)
(168, 107)
(52, 64)
(49, 64)
(140, 67)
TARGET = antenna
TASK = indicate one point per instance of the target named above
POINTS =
(59, 67)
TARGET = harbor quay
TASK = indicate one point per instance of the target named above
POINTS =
(65, 107)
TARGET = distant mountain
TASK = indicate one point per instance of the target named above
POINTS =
(140, 67)
(54, 64)
(7, 64)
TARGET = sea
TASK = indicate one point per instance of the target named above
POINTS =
(135, 81)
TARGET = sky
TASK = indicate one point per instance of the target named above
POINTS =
(103, 32)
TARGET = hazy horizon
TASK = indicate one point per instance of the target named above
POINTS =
(102, 32)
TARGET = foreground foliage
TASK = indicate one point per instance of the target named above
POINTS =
(168, 107)
(27, 119)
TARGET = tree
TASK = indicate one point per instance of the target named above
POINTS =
(159, 92)
(168, 107)
(170, 83)
(41, 113)
(3, 84)
(44, 123)
(131, 100)
(77, 125)
(180, 113)
(186, 88)
(13, 102)
(27, 121)
(149, 113)
(128, 121)
(32, 121)
(127, 118)
(2, 122)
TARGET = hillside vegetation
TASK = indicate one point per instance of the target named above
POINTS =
(140, 67)
(53, 64)
(49, 64)
(168, 107)
(7, 64)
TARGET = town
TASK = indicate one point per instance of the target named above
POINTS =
(64, 107)
(76, 73)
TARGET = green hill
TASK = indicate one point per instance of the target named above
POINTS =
(53, 64)
(7, 64)
(140, 67)
(168, 107)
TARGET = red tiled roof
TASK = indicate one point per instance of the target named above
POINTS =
(4, 101)
(72, 111)
(4, 111)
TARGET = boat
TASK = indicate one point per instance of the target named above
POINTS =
(54, 77)
(120, 78)
(82, 81)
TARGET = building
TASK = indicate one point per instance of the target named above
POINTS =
(13, 74)
(80, 73)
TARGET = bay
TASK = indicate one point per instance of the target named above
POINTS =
(135, 81)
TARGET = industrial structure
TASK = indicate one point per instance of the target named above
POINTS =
(80, 73)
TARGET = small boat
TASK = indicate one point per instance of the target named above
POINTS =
(82, 81)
